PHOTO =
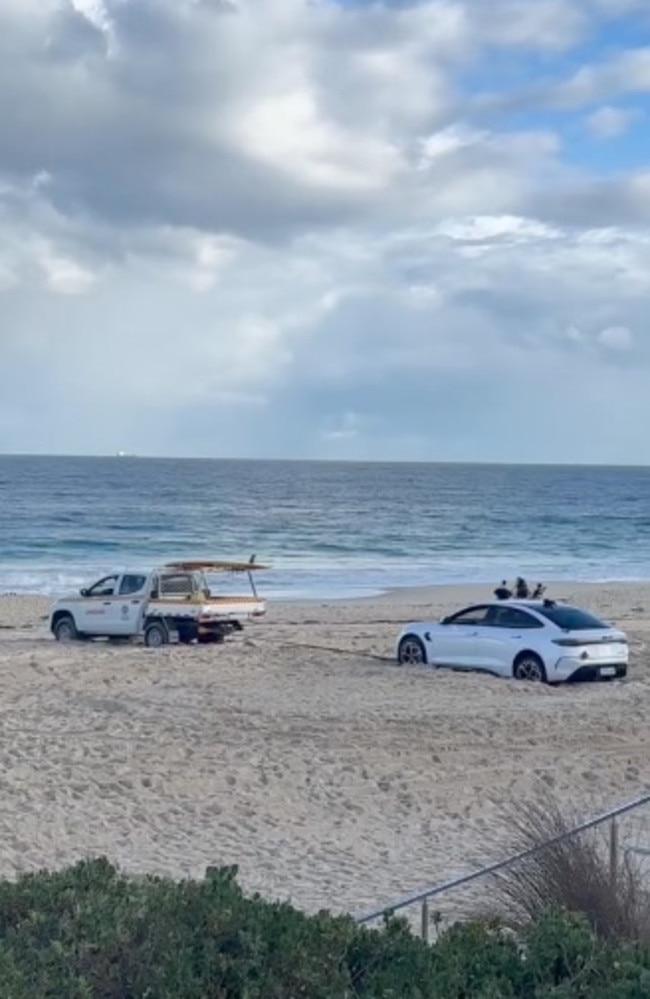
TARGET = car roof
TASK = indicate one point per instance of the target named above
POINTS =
(513, 602)
(534, 605)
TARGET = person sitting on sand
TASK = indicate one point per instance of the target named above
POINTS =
(539, 591)
(503, 592)
(521, 589)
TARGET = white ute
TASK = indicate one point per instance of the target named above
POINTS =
(173, 601)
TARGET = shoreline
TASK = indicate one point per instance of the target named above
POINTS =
(477, 590)
(371, 578)
(435, 594)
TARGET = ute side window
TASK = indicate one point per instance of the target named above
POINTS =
(104, 588)
(132, 583)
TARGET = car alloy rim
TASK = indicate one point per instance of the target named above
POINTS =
(411, 653)
(529, 669)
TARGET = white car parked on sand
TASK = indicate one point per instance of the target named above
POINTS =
(525, 639)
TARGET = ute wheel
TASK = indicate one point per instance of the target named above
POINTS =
(529, 666)
(156, 635)
(411, 651)
(65, 629)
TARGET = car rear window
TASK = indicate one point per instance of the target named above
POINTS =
(571, 618)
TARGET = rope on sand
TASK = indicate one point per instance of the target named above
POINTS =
(355, 653)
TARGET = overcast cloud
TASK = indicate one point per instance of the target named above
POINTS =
(307, 228)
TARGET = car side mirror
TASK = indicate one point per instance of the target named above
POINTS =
(84, 592)
(445, 620)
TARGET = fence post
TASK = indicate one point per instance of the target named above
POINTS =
(425, 920)
(613, 854)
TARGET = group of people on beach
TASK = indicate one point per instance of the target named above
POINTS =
(520, 590)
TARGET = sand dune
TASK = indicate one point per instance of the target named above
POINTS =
(299, 752)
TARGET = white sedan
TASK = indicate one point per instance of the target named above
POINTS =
(525, 639)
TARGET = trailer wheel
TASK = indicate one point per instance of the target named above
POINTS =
(213, 637)
(156, 635)
(187, 633)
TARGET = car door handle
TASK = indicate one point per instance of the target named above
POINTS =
(107, 603)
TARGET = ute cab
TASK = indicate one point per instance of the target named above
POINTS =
(111, 606)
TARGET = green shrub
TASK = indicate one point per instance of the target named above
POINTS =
(89, 932)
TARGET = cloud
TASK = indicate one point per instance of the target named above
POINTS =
(608, 74)
(611, 122)
(347, 427)
(616, 338)
(626, 72)
(291, 228)
(609, 201)
(62, 274)
(541, 25)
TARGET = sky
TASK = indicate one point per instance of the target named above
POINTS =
(327, 229)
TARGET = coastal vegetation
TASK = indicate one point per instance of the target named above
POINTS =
(90, 931)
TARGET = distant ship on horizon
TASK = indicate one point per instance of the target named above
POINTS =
(125, 454)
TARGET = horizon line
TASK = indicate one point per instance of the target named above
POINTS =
(481, 462)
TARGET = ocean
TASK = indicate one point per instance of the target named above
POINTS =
(328, 529)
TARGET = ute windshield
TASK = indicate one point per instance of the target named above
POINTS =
(571, 618)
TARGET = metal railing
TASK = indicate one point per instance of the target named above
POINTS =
(424, 896)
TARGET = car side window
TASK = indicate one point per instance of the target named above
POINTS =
(104, 588)
(512, 617)
(473, 615)
(132, 584)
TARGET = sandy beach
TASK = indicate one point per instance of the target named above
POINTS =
(299, 752)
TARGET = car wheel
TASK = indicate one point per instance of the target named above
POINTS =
(65, 629)
(411, 651)
(156, 635)
(529, 666)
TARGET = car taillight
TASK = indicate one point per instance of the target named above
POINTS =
(607, 640)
